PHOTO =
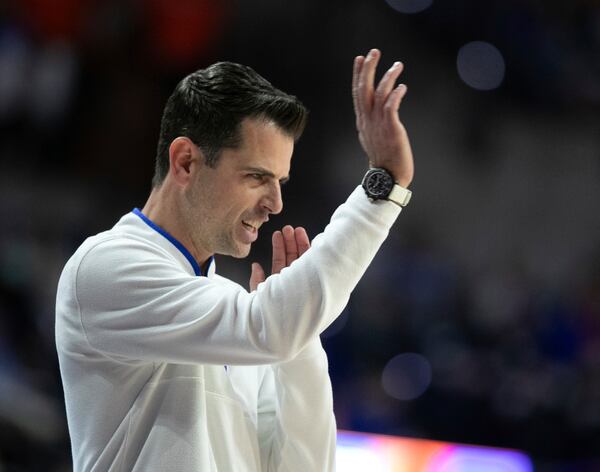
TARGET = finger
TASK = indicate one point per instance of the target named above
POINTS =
(257, 276)
(357, 66)
(291, 249)
(358, 63)
(365, 81)
(392, 104)
(386, 84)
(302, 241)
(278, 253)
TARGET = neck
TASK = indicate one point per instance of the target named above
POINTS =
(164, 208)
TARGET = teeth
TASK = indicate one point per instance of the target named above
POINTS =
(249, 225)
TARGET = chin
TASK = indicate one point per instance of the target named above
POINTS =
(240, 251)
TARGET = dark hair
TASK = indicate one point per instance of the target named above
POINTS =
(208, 107)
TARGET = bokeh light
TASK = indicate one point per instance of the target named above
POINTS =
(365, 451)
(480, 65)
(409, 6)
(406, 376)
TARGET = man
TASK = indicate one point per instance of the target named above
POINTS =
(167, 366)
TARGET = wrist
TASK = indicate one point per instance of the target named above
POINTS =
(379, 184)
(400, 177)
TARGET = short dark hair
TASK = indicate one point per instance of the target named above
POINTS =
(209, 105)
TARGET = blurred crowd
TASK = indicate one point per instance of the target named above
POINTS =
(478, 322)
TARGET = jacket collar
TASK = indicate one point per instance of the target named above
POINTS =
(146, 228)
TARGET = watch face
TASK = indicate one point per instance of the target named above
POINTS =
(378, 184)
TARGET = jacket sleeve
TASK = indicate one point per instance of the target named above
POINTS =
(135, 303)
(296, 425)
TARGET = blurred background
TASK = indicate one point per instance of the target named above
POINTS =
(479, 320)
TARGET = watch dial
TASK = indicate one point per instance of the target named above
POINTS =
(379, 185)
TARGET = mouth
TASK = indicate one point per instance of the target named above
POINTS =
(249, 226)
(250, 232)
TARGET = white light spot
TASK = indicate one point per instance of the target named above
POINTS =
(406, 376)
(480, 65)
(359, 459)
(409, 6)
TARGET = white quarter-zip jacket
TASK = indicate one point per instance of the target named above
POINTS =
(167, 370)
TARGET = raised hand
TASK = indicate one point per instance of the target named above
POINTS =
(288, 245)
(380, 131)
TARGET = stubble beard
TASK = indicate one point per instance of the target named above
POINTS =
(215, 236)
(227, 245)
(218, 237)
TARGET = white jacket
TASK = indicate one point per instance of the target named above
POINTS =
(166, 371)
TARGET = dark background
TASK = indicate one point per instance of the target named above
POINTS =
(478, 321)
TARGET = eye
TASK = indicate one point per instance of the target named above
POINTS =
(256, 177)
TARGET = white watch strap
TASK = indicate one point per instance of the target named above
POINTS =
(400, 195)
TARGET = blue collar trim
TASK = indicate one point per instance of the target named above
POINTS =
(175, 242)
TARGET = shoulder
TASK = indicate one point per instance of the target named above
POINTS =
(112, 250)
(112, 263)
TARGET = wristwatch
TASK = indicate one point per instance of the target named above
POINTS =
(379, 185)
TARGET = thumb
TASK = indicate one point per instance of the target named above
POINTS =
(257, 276)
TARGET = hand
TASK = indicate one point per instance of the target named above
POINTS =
(381, 134)
(288, 245)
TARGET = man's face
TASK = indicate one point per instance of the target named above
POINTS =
(228, 204)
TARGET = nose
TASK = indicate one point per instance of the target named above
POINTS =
(272, 201)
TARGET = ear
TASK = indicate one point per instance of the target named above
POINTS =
(184, 157)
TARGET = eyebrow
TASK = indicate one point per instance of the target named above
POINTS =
(267, 173)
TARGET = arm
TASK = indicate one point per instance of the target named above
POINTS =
(296, 424)
(297, 429)
(135, 303)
